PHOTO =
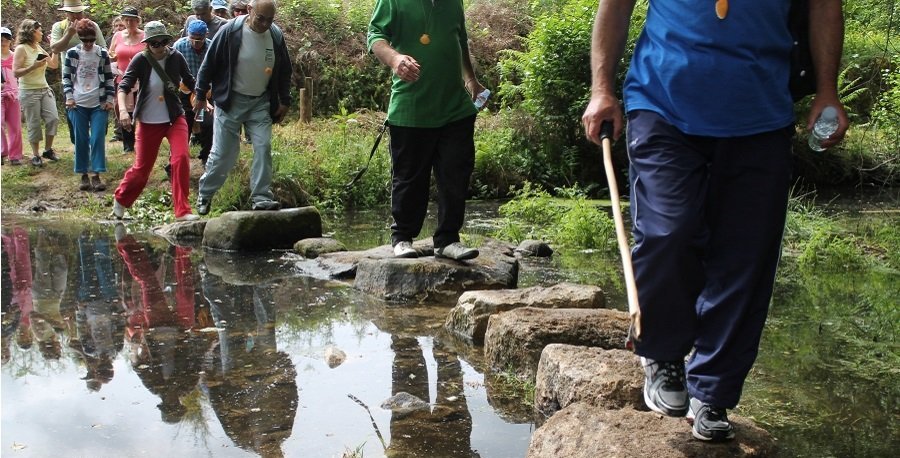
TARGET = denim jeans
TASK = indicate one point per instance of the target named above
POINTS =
(89, 125)
(253, 113)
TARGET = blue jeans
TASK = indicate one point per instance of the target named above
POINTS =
(89, 126)
(253, 113)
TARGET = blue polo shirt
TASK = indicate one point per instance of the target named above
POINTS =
(714, 77)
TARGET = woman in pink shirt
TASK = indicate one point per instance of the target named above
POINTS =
(10, 110)
(122, 48)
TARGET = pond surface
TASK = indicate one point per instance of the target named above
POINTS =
(115, 341)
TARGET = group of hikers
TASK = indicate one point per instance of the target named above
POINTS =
(709, 125)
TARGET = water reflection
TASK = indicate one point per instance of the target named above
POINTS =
(251, 385)
(158, 349)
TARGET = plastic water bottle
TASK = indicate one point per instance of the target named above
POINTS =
(482, 97)
(826, 125)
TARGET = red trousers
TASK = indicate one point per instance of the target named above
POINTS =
(147, 139)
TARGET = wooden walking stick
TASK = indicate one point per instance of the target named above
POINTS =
(634, 309)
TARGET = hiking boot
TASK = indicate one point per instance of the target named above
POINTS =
(118, 211)
(85, 183)
(50, 155)
(203, 205)
(665, 390)
(456, 251)
(404, 249)
(709, 423)
(266, 205)
(187, 217)
(36, 161)
(97, 184)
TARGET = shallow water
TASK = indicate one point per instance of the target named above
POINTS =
(136, 346)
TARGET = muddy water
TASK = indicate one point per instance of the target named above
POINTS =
(120, 344)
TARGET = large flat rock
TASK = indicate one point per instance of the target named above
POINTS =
(470, 316)
(585, 431)
(430, 279)
(514, 340)
(607, 379)
(262, 230)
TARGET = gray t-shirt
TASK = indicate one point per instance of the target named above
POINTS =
(255, 62)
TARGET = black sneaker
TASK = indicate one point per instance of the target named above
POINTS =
(97, 184)
(50, 155)
(203, 206)
(709, 423)
(665, 390)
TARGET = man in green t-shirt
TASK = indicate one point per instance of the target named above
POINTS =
(431, 117)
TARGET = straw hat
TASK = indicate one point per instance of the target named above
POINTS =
(72, 6)
(155, 29)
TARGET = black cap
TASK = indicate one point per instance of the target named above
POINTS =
(129, 11)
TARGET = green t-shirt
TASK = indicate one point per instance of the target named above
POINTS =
(439, 96)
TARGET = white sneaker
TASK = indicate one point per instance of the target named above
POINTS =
(188, 217)
(118, 211)
(405, 249)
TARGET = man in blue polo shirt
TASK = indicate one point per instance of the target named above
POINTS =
(710, 121)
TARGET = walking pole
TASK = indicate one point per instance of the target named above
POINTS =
(634, 309)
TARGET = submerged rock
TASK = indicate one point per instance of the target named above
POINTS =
(317, 246)
(470, 316)
(584, 431)
(537, 248)
(404, 402)
(182, 232)
(262, 230)
(334, 356)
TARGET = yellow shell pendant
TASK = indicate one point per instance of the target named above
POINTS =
(424, 39)
(721, 8)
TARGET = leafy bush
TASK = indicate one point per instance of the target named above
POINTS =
(572, 221)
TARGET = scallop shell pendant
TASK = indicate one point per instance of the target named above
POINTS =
(424, 39)
(721, 8)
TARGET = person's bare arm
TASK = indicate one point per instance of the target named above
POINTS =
(608, 39)
(826, 43)
(404, 66)
(471, 81)
(19, 68)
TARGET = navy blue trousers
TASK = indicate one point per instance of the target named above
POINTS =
(708, 216)
(448, 150)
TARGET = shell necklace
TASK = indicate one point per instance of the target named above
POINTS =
(425, 39)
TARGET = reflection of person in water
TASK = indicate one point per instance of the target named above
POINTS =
(96, 323)
(51, 270)
(252, 386)
(162, 354)
(17, 302)
(445, 429)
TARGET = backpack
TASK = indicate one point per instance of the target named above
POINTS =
(802, 81)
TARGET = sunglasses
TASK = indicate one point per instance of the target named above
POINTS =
(88, 39)
(157, 44)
